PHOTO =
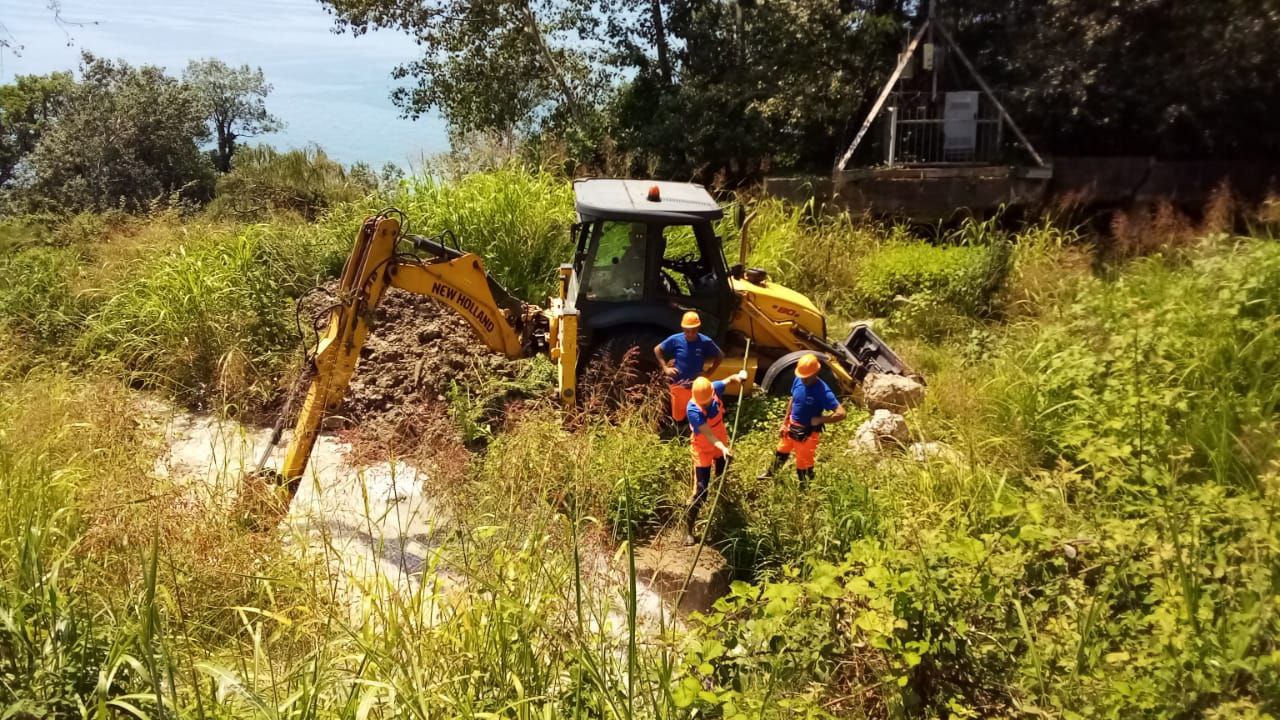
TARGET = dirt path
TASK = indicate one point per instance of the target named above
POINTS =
(371, 522)
(374, 525)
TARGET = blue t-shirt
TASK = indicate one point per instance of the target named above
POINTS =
(698, 416)
(689, 355)
(808, 401)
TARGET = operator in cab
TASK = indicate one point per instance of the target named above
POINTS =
(709, 441)
(683, 357)
(802, 426)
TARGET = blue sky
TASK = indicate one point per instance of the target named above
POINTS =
(329, 89)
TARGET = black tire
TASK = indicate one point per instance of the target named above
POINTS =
(628, 349)
(620, 371)
(780, 376)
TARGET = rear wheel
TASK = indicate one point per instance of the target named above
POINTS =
(782, 374)
(620, 371)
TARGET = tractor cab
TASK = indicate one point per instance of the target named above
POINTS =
(646, 252)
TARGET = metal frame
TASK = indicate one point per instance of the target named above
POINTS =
(932, 23)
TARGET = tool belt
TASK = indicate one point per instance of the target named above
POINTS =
(798, 432)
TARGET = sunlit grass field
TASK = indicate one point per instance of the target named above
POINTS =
(1101, 539)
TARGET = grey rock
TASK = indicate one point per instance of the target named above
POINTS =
(891, 392)
(884, 429)
(665, 567)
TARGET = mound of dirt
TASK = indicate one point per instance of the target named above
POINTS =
(415, 350)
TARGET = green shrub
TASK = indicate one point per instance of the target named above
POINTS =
(1166, 367)
(306, 181)
(211, 316)
(1152, 403)
(957, 276)
(517, 220)
(908, 627)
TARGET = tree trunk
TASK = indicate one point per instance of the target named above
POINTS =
(226, 149)
(549, 62)
(660, 39)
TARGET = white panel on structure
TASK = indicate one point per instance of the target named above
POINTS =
(926, 56)
(960, 124)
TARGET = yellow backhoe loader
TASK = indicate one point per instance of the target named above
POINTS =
(644, 253)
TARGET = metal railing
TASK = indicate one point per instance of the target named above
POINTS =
(918, 133)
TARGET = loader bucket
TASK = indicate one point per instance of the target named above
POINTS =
(872, 355)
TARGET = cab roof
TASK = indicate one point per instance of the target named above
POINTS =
(621, 199)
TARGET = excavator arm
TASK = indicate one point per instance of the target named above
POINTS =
(455, 278)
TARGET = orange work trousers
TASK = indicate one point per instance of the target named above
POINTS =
(680, 397)
(805, 450)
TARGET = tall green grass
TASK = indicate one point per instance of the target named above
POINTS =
(211, 315)
(516, 219)
(304, 181)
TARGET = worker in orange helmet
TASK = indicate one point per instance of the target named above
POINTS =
(710, 440)
(802, 425)
(683, 357)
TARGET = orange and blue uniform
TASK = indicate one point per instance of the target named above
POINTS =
(705, 454)
(798, 434)
(689, 358)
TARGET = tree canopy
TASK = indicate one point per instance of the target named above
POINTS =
(28, 106)
(125, 136)
(1161, 77)
(705, 87)
(234, 100)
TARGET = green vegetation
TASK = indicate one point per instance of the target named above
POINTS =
(234, 101)
(517, 220)
(125, 137)
(119, 137)
(730, 91)
(1099, 541)
(263, 181)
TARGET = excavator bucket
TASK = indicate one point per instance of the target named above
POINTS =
(866, 353)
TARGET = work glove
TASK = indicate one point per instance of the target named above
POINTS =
(741, 375)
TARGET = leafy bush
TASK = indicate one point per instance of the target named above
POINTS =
(1152, 401)
(307, 182)
(1166, 367)
(125, 138)
(961, 277)
(211, 316)
(886, 631)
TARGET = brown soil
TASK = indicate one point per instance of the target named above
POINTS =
(398, 399)
(397, 403)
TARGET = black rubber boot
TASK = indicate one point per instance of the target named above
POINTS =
(702, 484)
(690, 520)
(805, 476)
(779, 459)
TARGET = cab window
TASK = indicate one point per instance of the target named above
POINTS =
(617, 273)
(685, 272)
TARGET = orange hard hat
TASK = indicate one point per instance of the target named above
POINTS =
(808, 366)
(691, 320)
(702, 391)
